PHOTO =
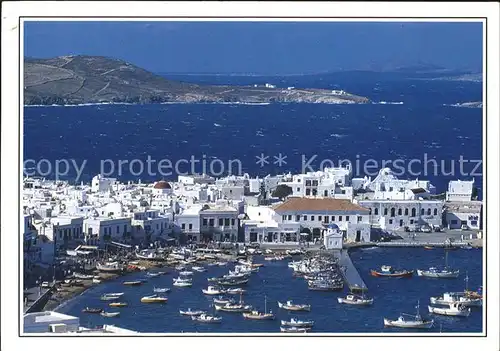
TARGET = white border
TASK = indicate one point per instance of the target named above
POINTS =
(10, 13)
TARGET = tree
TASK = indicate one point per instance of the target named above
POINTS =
(282, 191)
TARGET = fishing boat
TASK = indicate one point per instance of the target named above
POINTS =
(92, 310)
(154, 299)
(325, 285)
(417, 322)
(110, 297)
(355, 300)
(83, 276)
(185, 273)
(290, 306)
(234, 307)
(190, 312)
(161, 290)
(222, 300)
(118, 304)
(183, 283)
(294, 330)
(205, 318)
(455, 309)
(212, 290)
(133, 283)
(433, 272)
(256, 315)
(233, 282)
(429, 247)
(110, 314)
(450, 298)
(235, 291)
(152, 275)
(388, 271)
(110, 267)
(297, 323)
(199, 269)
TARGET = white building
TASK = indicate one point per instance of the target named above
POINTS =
(188, 221)
(219, 221)
(463, 213)
(333, 239)
(459, 190)
(99, 230)
(151, 225)
(397, 214)
(162, 188)
(261, 225)
(65, 230)
(102, 184)
(314, 214)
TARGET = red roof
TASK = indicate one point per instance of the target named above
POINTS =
(297, 204)
(162, 185)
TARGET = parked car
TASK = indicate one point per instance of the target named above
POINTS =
(426, 229)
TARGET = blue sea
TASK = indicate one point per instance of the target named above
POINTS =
(275, 282)
(410, 127)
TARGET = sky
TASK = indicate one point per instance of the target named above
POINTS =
(262, 47)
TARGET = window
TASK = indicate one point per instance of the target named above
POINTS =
(385, 211)
(283, 217)
(320, 218)
(183, 226)
(305, 218)
(411, 221)
(435, 212)
(298, 189)
(376, 211)
(406, 212)
(190, 226)
(390, 221)
(413, 212)
(297, 218)
(211, 222)
(326, 219)
(422, 212)
(221, 222)
(205, 222)
(308, 183)
(312, 218)
(325, 193)
(390, 188)
(90, 231)
(454, 221)
(117, 229)
(400, 212)
(125, 228)
(289, 217)
(473, 223)
(308, 191)
(343, 192)
(232, 221)
(347, 218)
(333, 218)
(360, 219)
(157, 226)
(315, 192)
(226, 221)
(340, 218)
(393, 212)
(315, 183)
(428, 212)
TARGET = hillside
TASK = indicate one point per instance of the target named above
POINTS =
(95, 79)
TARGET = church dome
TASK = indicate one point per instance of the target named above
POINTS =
(162, 185)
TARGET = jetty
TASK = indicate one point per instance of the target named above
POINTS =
(350, 273)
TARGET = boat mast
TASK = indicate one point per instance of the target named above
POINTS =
(265, 304)
(466, 281)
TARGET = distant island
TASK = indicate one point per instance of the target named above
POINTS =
(72, 80)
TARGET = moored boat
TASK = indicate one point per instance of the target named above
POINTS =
(435, 273)
(161, 290)
(133, 283)
(416, 322)
(190, 312)
(154, 299)
(256, 315)
(205, 318)
(290, 306)
(181, 283)
(455, 309)
(222, 300)
(294, 330)
(110, 314)
(110, 297)
(355, 300)
(118, 304)
(235, 291)
(92, 310)
(388, 271)
(109, 267)
(212, 290)
(450, 298)
(297, 323)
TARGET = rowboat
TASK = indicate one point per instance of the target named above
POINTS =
(161, 290)
(290, 306)
(388, 271)
(294, 330)
(133, 283)
(106, 297)
(92, 310)
(110, 314)
(455, 309)
(154, 299)
(118, 304)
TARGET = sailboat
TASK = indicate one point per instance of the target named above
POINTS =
(256, 315)
(464, 298)
(416, 323)
(433, 272)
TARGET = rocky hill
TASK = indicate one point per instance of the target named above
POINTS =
(97, 79)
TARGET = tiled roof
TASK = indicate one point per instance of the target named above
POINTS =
(325, 204)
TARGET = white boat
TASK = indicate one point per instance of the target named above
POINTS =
(294, 330)
(152, 275)
(161, 290)
(233, 307)
(109, 297)
(83, 276)
(449, 298)
(455, 309)
(212, 290)
(199, 269)
(183, 283)
(96, 281)
(205, 318)
(110, 314)
(222, 301)
(190, 312)
(433, 272)
(417, 322)
(222, 263)
(256, 315)
(186, 273)
(355, 300)
(290, 306)
(297, 323)
(154, 299)
(235, 291)
(110, 267)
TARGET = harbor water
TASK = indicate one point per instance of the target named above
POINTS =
(275, 282)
